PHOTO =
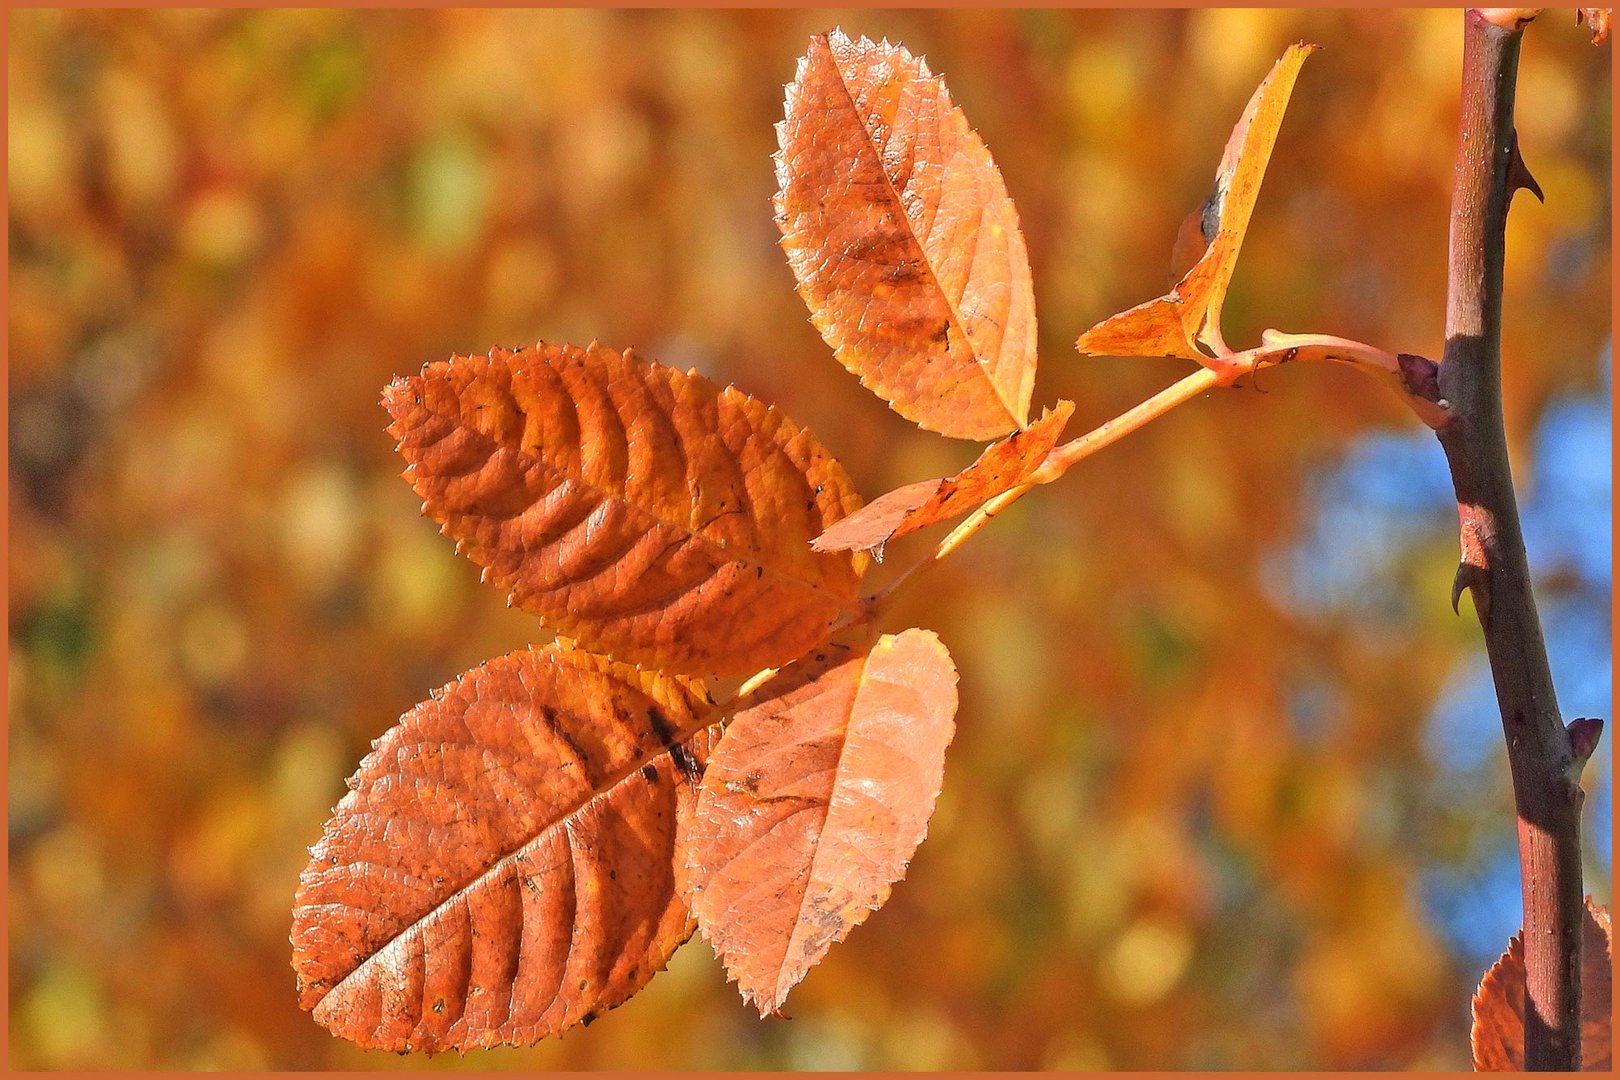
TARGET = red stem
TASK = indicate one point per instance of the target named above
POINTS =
(1495, 569)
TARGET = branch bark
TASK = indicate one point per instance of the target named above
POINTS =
(1495, 569)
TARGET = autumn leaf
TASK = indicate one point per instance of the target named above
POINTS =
(504, 866)
(1175, 323)
(1001, 467)
(903, 239)
(643, 512)
(812, 805)
(1498, 1034)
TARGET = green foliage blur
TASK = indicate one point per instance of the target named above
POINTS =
(228, 230)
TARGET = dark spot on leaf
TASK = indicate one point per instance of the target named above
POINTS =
(649, 774)
(1209, 222)
(685, 762)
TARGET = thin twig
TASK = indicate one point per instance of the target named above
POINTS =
(1411, 377)
(1058, 462)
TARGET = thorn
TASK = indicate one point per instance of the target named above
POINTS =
(1584, 733)
(1477, 581)
(1519, 173)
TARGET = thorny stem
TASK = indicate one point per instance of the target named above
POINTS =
(1495, 568)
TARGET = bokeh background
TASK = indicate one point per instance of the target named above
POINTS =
(1228, 788)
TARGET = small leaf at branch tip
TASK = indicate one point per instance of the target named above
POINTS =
(1003, 465)
(1209, 242)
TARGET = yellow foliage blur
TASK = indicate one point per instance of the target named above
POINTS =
(228, 230)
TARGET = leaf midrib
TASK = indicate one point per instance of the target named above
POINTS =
(979, 363)
(843, 598)
(499, 865)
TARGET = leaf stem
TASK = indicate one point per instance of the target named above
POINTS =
(1056, 464)
(1411, 377)
(1495, 568)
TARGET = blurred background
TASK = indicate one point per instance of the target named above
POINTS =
(1228, 788)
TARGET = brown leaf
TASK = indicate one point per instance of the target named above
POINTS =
(903, 239)
(504, 866)
(1173, 324)
(1498, 1034)
(645, 513)
(1000, 468)
(812, 805)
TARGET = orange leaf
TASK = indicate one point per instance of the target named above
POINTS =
(1000, 468)
(504, 866)
(645, 513)
(1174, 323)
(1498, 1035)
(903, 239)
(812, 805)
(1166, 326)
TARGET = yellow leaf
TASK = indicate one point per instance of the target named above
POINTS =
(1174, 324)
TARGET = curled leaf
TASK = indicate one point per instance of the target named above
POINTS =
(1001, 467)
(1175, 323)
(1498, 1032)
(504, 866)
(812, 805)
(643, 512)
(903, 239)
